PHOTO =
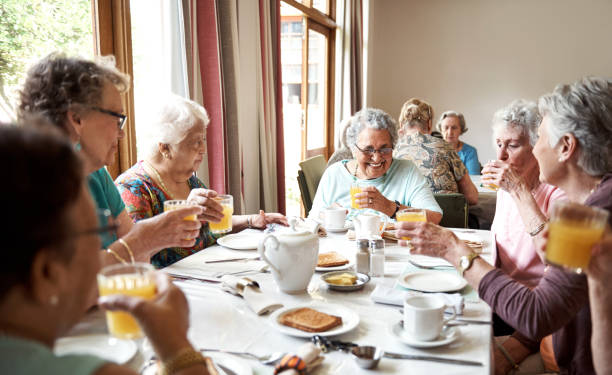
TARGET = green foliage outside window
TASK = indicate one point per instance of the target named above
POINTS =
(29, 30)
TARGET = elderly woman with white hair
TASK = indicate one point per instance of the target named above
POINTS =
(174, 145)
(452, 125)
(574, 153)
(387, 184)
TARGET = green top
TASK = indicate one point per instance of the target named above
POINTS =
(106, 196)
(21, 356)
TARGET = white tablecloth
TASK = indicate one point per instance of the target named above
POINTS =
(221, 320)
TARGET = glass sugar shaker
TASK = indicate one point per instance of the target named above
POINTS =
(363, 255)
(377, 257)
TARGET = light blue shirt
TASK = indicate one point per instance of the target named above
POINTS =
(402, 182)
(20, 356)
(469, 157)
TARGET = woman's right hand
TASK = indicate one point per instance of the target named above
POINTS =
(503, 175)
(164, 319)
(211, 209)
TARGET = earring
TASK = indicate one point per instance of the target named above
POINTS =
(77, 147)
(166, 155)
(53, 300)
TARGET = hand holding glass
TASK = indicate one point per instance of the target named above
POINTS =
(131, 280)
(355, 189)
(225, 225)
(572, 232)
(411, 214)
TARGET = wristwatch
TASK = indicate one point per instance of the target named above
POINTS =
(465, 262)
(397, 208)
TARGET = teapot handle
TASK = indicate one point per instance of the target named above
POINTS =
(261, 249)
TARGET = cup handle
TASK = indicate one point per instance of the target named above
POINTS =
(261, 249)
(453, 316)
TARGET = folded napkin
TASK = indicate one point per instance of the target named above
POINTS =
(392, 296)
(308, 225)
(308, 357)
(259, 302)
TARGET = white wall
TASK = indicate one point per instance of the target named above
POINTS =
(475, 56)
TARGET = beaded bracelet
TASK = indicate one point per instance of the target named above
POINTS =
(122, 241)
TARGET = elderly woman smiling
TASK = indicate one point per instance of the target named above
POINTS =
(452, 125)
(574, 153)
(388, 184)
(174, 145)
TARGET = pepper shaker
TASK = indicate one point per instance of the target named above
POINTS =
(363, 255)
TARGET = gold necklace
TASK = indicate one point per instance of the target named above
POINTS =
(161, 181)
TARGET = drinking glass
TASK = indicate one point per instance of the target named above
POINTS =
(135, 279)
(176, 204)
(355, 189)
(411, 214)
(573, 230)
(225, 225)
(493, 187)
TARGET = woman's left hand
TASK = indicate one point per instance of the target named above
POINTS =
(427, 238)
(370, 197)
(503, 175)
(262, 219)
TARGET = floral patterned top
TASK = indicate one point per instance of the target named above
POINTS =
(144, 198)
(435, 158)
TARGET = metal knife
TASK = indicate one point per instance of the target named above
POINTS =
(432, 359)
(186, 278)
(225, 369)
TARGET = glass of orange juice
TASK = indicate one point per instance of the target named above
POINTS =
(493, 187)
(573, 230)
(176, 204)
(355, 189)
(225, 225)
(134, 279)
(411, 214)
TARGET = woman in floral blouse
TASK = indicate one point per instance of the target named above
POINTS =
(174, 145)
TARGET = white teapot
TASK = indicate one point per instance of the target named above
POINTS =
(292, 256)
(368, 224)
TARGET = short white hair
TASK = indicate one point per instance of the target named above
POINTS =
(169, 122)
(370, 118)
(583, 109)
(520, 114)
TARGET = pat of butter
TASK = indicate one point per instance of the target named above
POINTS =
(342, 279)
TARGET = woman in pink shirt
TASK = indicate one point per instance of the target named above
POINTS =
(522, 200)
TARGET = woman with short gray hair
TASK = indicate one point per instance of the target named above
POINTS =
(452, 125)
(573, 117)
(387, 184)
(173, 148)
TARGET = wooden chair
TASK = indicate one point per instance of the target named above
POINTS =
(455, 210)
(308, 179)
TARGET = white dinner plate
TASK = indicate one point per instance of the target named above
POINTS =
(335, 268)
(448, 335)
(103, 346)
(350, 320)
(241, 241)
(432, 281)
(427, 261)
(223, 362)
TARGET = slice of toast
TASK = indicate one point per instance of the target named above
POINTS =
(309, 320)
(331, 259)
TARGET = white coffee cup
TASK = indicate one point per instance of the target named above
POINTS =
(424, 317)
(334, 217)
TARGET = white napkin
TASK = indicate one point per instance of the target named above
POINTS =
(309, 353)
(392, 296)
(309, 225)
(259, 302)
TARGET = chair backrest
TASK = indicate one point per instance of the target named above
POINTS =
(312, 169)
(455, 210)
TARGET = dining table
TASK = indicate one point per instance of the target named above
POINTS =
(220, 320)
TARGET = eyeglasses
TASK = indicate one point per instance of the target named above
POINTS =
(371, 151)
(107, 225)
(120, 118)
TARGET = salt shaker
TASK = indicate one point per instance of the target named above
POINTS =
(377, 257)
(363, 255)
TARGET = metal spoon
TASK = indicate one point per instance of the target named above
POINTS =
(426, 267)
(268, 359)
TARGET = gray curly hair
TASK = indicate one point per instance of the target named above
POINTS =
(370, 118)
(583, 109)
(458, 115)
(522, 114)
(170, 122)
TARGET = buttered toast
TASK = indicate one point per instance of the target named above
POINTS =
(309, 320)
(331, 259)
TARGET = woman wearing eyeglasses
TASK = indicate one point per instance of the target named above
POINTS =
(387, 184)
(83, 98)
(435, 158)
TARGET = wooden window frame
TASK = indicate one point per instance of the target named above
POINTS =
(112, 32)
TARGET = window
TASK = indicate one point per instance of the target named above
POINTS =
(307, 48)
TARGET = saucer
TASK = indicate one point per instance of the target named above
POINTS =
(347, 225)
(448, 335)
(104, 346)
